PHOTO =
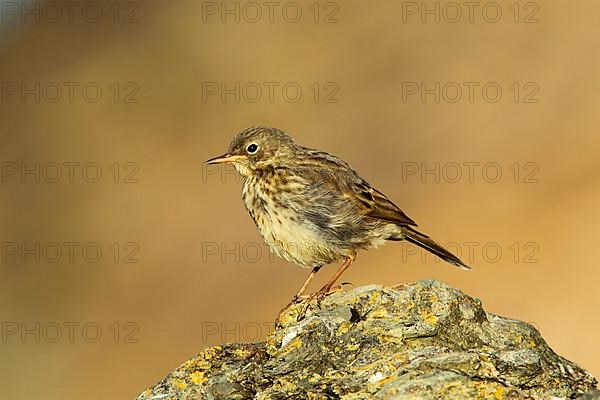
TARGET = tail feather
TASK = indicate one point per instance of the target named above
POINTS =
(424, 241)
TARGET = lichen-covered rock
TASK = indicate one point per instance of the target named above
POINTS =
(419, 341)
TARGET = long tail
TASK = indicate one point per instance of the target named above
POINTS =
(424, 241)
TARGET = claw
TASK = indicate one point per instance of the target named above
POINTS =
(304, 301)
(296, 300)
(320, 295)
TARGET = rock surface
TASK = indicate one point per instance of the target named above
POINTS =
(423, 340)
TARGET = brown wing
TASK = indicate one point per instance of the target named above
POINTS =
(379, 206)
(331, 171)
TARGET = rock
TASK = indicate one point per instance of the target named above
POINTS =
(423, 340)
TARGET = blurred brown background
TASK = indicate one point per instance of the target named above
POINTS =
(110, 328)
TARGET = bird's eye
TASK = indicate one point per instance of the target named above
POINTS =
(252, 148)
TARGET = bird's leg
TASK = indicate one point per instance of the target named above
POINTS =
(325, 289)
(300, 295)
(306, 283)
(318, 296)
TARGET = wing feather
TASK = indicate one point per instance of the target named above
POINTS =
(325, 169)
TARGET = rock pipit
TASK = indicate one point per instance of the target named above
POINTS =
(312, 208)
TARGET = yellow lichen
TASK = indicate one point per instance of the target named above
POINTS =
(288, 317)
(518, 339)
(499, 392)
(487, 390)
(294, 344)
(210, 352)
(203, 364)
(344, 327)
(198, 378)
(242, 353)
(178, 383)
(428, 317)
(380, 313)
(374, 297)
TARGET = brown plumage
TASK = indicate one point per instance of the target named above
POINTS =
(312, 208)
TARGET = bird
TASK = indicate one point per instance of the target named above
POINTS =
(312, 209)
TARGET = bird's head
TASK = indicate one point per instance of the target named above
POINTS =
(257, 148)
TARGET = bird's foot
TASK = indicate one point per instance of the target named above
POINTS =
(297, 300)
(298, 307)
(303, 302)
(319, 296)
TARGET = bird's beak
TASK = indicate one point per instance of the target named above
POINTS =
(225, 159)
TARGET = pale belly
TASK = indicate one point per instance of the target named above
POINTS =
(297, 242)
(287, 234)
